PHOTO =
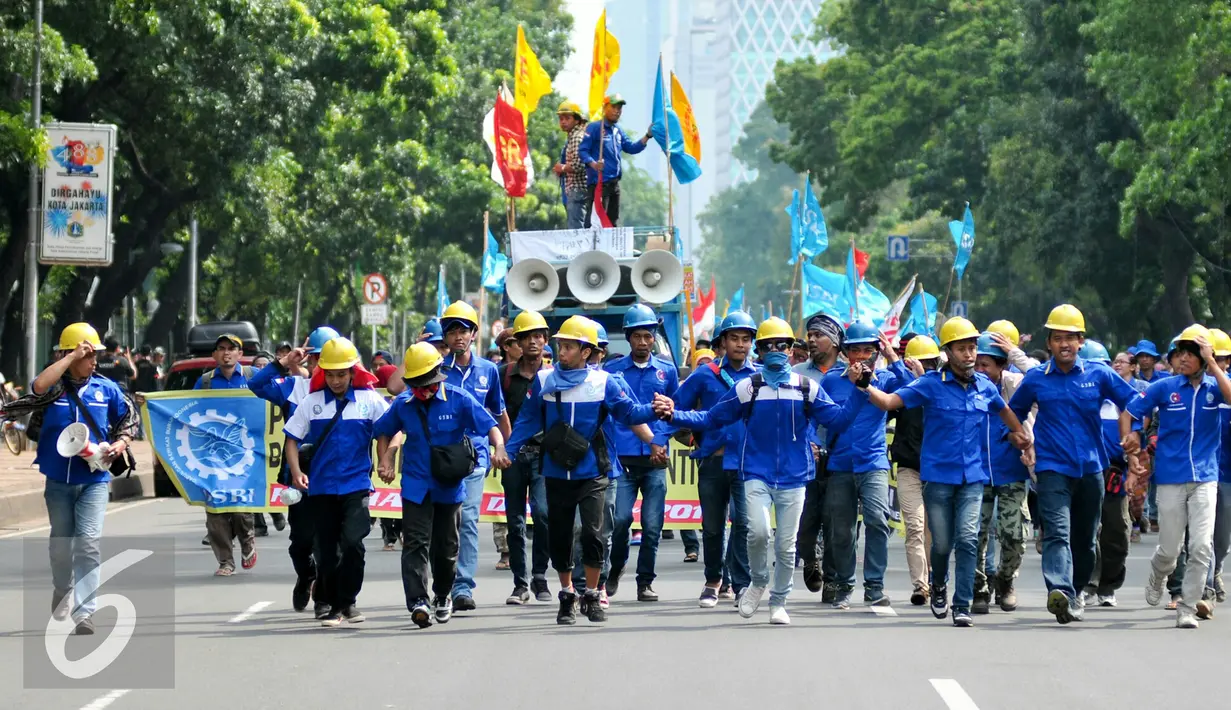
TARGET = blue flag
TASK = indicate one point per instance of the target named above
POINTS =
(666, 130)
(797, 230)
(737, 301)
(916, 323)
(495, 266)
(812, 224)
(824, 292)
(442, 295)
(874, 306)
(964, 239)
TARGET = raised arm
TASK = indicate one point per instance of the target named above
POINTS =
(725, 411)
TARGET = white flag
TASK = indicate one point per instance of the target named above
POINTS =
(893, 320)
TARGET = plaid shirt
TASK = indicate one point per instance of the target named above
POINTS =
(574, 170)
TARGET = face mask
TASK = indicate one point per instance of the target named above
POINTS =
(423, 394)
(777, 370)
(560, 380)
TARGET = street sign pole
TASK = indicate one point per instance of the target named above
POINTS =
(36, 120)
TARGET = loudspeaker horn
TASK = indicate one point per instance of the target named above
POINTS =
(75, 441)
(593, 277)
(532, 284)
(657, 276)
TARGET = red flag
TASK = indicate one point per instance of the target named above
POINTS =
(512, 150)
(598, 215)
(861, 262)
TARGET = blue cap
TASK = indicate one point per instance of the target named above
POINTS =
(1145, 347)
(1095, 351)
(433, 330)
(736, 320)
(640, 316)
(1132, 351)
(547, 350)
(861, 334)
(318, 338)
(987, 346)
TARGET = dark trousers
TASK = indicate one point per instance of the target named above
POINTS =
(813, 544)
(341, 524)
(1113, 544)
(564, 499)
(302, 534)
(721, 492)
(390, 530)
(431, 532)
(522, 480)
(611, 201)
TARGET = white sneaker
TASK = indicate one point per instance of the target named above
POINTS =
(1185, 619)
(709, 598)
(1089, 598)
(778, 616)
(1107, 600)
(750, 601)
(1154, 589)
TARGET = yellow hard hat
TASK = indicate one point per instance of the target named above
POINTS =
(1066, 318)
(921, 347)
(568, 107)
(338, 354)
(1194, 331)
(421, 359)
(956, 329)
(528, 321)
(459, 310)
(578, 328)
(1221, 342)
(79, 333)
(1007, 329)
(774, 329)
(702, 353)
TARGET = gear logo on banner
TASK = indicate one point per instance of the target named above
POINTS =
(215, 445)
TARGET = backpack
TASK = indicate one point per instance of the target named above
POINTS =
(207, 379)
(758, 381)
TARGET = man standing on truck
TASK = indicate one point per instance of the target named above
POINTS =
(570, 169)
(606, 162)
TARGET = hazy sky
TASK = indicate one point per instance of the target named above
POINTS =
(574, 81)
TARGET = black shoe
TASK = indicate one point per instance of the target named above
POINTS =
(421, 613)
(520, 596)
(353, 615)
(261, 532)
(666, 535)
(541, 592)
(301, 593)
(444, 609)
(613, 581)
(333, 619)
(812, 576)
(85, 627)
(567, 616)
(962, 618)
(279, 521)
(592, 608)
(205, 541)
(320, 610)
(940, 601)
(982, 605)
(919, 596)
(645, 593)
(464, 603)
(829, 593)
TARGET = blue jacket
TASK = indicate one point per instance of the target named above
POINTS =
(482, 380)
(1004, 459)
(452, 414)
(956, 429)
(657, 377)
(579, 406)
(702, 390)
(615, 142)
(862, 447)
(342, 463)
(1189, 428)
(776, 447)
(105, 404)
(273, 385)
(1068, 428)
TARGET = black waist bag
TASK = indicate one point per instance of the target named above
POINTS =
(567, 448)
(451, 463)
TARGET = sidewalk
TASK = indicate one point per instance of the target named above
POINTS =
(21, 485)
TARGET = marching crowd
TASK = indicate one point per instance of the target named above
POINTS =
(793, 449)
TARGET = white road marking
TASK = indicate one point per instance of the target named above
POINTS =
(249, 612)
(106, 700)
(953, 695)
(110, 511)
(883, 611)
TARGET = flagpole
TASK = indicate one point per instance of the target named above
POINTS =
(855, 295)
(692, 337)
(945, 307)
(482, 289)
(790, 309)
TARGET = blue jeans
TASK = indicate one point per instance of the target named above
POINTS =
(468, 552)
(651, 482)
(721, 492)
(788, 505)
(518, 479)
(1071, 509)
(76, 516)
(575, 208)
(953, 513)
(846, 493)
(579, 570)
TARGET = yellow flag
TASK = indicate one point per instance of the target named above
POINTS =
(605, 63)
(531, 82)
(688, 121)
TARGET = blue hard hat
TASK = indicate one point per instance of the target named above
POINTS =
(736, 320)
(858, 333)
(1094, 350)
(434, 331)
(318, 338)
(1145, 347)
(987, 346)
(640, 316)
(602, 335)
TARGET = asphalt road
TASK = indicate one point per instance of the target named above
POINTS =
(237, 641)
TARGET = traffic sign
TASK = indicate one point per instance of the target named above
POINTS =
(961, 309)
(374, 314)
(897, 248)
(375, 290)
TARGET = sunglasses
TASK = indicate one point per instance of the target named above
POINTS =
(777, 346)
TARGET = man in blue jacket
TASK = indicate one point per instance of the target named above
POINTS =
(645, 466)
(859, 470)
(1069, 456)
(607, 162)
(569, 404)
(779, 409)
(1186, 466)
(719, 486)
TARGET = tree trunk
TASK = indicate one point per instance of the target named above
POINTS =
(1176, 258)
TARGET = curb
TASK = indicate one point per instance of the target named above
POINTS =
(24, 506)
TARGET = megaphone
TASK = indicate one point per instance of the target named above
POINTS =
(532, 284)
(593, 277)
(75, 441)
(657, 276)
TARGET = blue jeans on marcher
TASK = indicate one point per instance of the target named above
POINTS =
(579, 570)
(651, 482)
(518, 479)
(953, 513)
(1071, 509)
(76, 516)
(788, 504)
(846, 495)
(468, 550)
(721, 491)
(575, 208)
